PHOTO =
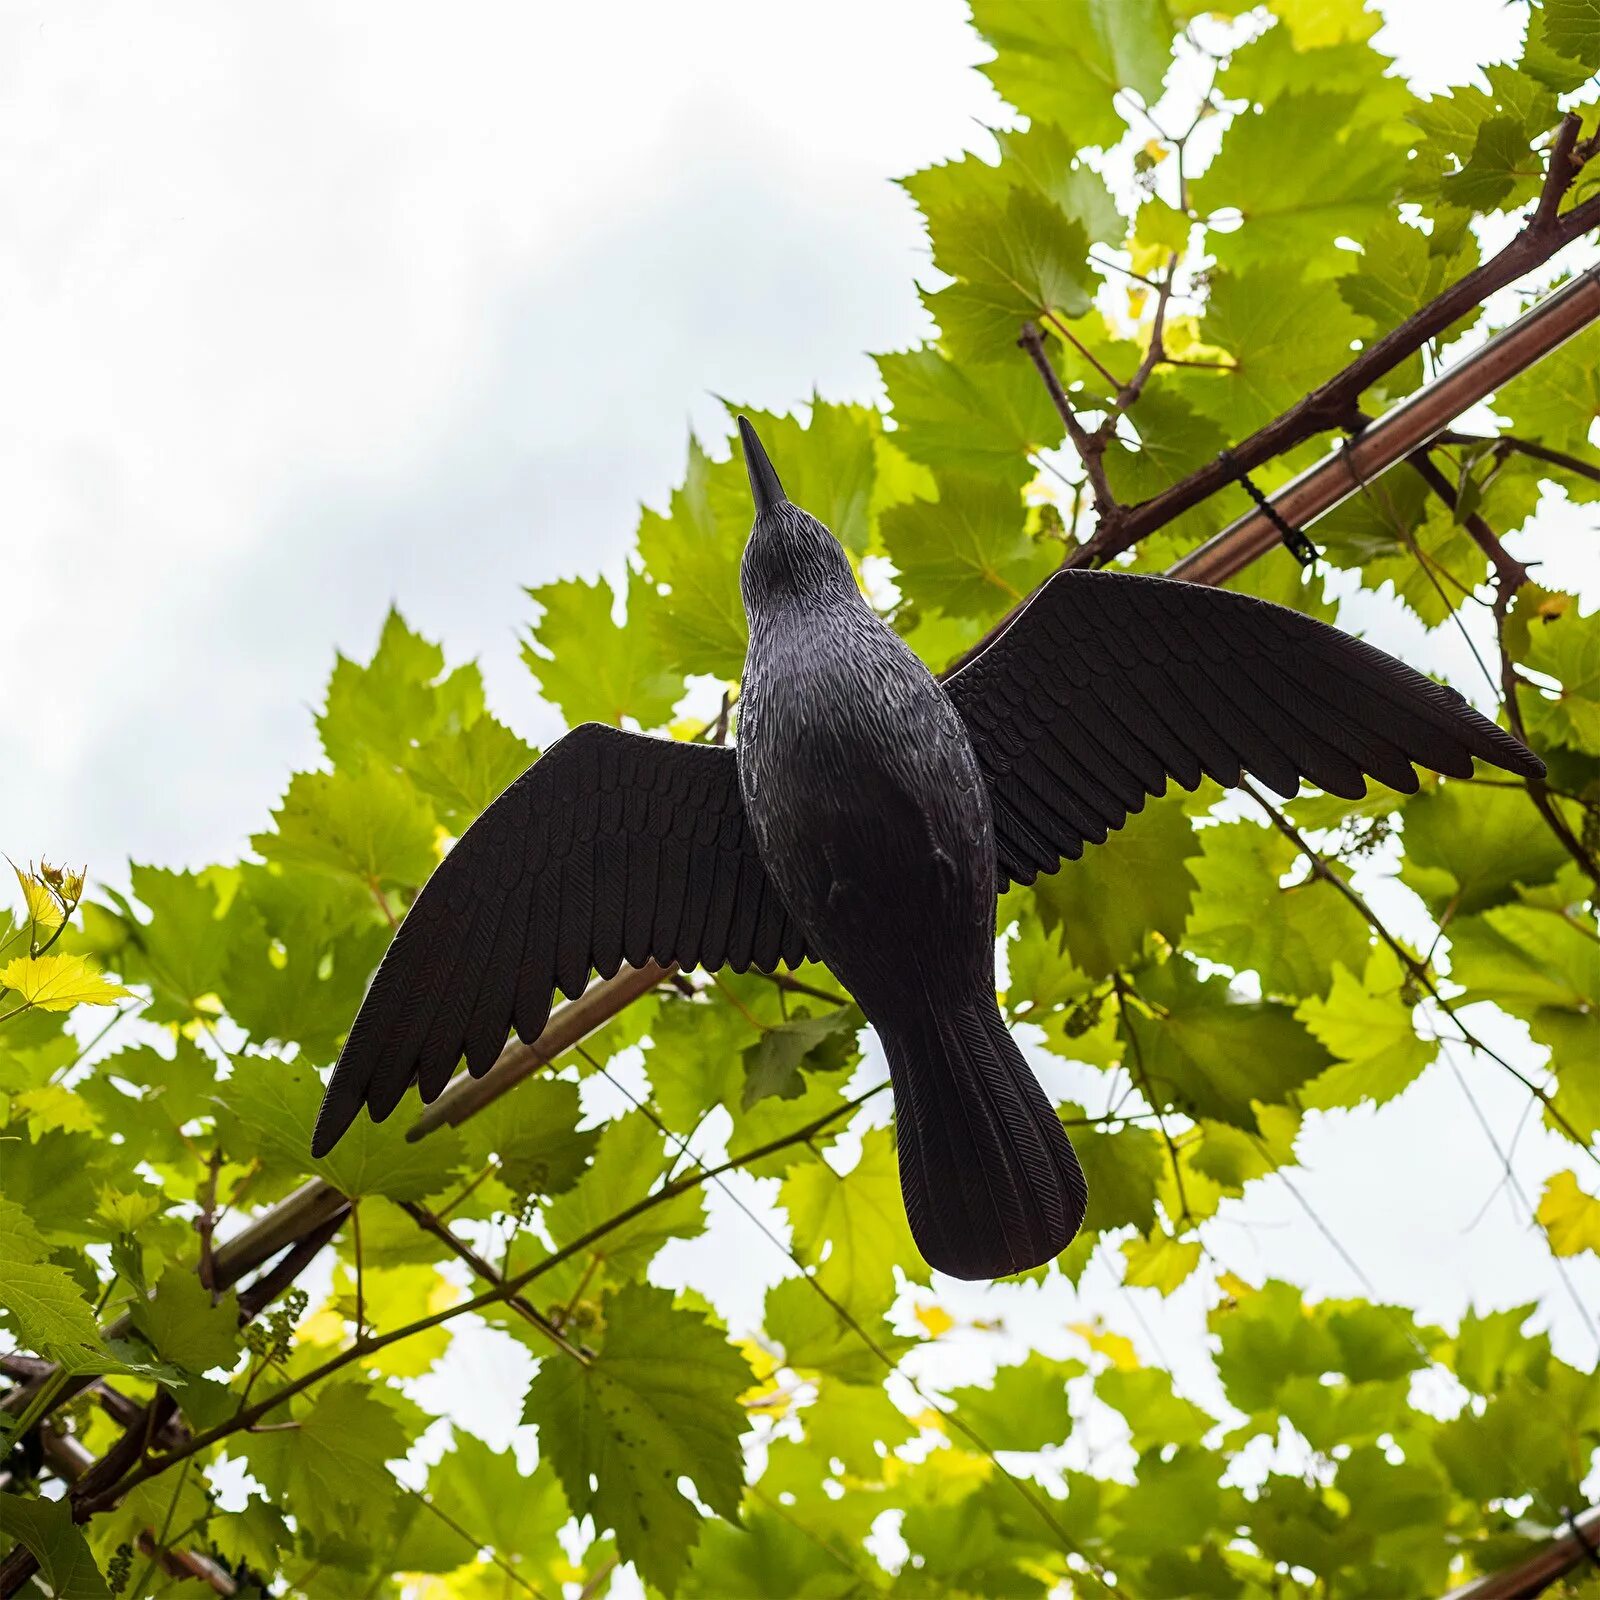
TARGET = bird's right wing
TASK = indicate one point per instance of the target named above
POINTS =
(1108, 684)
(611, 847)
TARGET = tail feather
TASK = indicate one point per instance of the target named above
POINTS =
(991, 1183)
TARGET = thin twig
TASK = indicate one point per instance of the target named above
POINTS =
(1505, 443)
(1321, 868)
(1083, 350)
(1155, 352)
(1510, 574)
(1559, 172)
(206, 1223)
(524, 1308)
(1091, 447)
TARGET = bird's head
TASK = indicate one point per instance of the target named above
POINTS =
(789, 552)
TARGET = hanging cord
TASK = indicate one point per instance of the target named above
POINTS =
(1294, 539)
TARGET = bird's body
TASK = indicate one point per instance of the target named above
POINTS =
(871, 815)
(868, 818)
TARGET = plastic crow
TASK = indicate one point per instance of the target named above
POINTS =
(867, 818)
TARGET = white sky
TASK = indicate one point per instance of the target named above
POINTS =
(311, 307)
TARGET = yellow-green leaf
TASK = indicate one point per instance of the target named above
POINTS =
(59, 982)
(1570, 1218)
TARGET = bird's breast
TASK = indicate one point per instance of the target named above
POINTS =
(862, 790)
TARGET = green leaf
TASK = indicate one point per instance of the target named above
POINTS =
(47, 1529)
(851, 1422)
(1520, 1444)
(1502, 171)
(1469, 845)
(1454, 122)
(368, 825)
(1041, 160)
(592, 668)
(1018, 260)
(401, 699)
(268, 1108)
(1491, 1346)
(1399, 535)
(771, 1557)
(55, 1180)
(1063, 63)
(830, 465)
(1022, 1407)
(1177, 1501)
(1542, 965)
(975, 420)
(1527, 959)
(1246, 918)
(1283, 335)
(47, 1308)
(1367, 1026)
(1135, 884)
(967, 554)
(535, 1136)
(1210, 1053)
(1170, 439)
(184, 1324)
(1572, 28)
(462, 772)
(332, 1467)
(181, 952)
(630, 1157)
(1565, 647)
(659, 1403)
(775, 1063)
(1266, 1338)
(1123, 1169)
(301, 949)
(694, 550)
(1302, 173)
(816, 1340)
(1277, 63)
(516, 1514)
(1159, 1262)
(1377, 1343)
(254, 1535)
(1156, 1415)
(859, 1219)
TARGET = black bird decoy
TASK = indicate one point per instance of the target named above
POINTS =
(867, 817)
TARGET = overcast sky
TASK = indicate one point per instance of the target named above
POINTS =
(308, 308)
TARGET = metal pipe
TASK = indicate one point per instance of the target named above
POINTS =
(1565, 1553)
(1406, 428)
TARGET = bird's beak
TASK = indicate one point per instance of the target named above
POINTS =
(765, 489)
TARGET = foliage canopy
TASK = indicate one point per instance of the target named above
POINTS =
(236, 1330)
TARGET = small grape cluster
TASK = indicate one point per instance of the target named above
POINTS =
(268, 1338)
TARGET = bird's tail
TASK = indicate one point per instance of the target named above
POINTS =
(991, 1182)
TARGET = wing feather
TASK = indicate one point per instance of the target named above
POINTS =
(1108, 684)
(613, 846)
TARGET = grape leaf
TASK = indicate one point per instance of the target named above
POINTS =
(591, 667)
(658, 1403)
(46, 1528)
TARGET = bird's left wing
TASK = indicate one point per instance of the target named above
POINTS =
(1108, 684)
(611, 847)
